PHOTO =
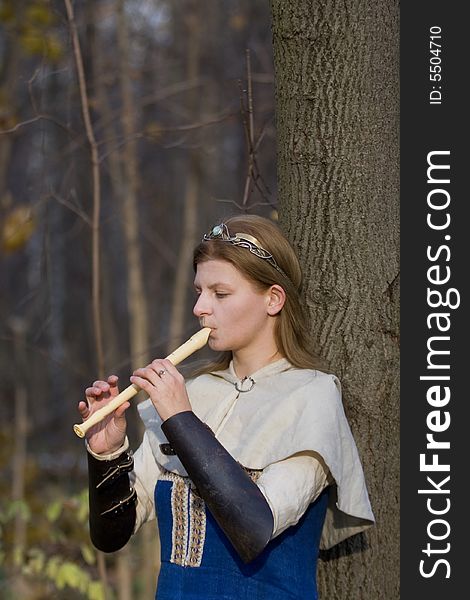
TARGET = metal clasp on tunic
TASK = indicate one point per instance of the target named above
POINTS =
(240, 385)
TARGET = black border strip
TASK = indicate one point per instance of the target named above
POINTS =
(433, 267)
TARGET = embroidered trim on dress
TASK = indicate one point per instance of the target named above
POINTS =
(197, 529)
(179, 503)
(189, 519)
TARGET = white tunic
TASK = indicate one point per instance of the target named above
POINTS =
(291, 424)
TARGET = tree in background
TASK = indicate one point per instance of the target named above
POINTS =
(337, 98)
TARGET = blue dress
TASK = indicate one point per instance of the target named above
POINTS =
(199, 563)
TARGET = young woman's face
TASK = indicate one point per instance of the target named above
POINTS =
(231, 306)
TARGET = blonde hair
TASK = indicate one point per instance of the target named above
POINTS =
(291, 330)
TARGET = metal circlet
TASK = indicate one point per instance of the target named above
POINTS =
(243, 240)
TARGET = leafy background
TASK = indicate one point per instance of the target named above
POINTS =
(96, 228)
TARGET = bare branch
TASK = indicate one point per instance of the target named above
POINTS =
(150, 99)
(96, 187)
(250, 97)
(249, 127)
(33, 120)
(78, 211)
(30, 90)
(241, 207)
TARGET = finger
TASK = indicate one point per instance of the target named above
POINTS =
(143, 383)
(83, 409)
(92, 394)
(102, 385)
(99, 383)
(113, 385)
(148, 373)
(121, 410)
(93, 391)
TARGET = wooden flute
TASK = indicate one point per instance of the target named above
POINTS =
(195, 342)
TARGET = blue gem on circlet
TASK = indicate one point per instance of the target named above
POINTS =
(217, 230)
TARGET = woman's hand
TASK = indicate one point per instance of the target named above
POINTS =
(109, 434)
(165, 386)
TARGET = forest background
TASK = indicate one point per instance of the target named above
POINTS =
(127, 129)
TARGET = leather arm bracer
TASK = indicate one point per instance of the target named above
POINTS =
(112, 502)
(234, 500)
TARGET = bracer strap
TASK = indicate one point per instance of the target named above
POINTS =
(125, 465)
(121, 505)
(112, 501)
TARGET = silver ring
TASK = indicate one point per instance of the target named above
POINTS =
(161, 372)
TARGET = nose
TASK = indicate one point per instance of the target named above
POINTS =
(201, 307)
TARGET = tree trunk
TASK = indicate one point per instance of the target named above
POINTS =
(337, 101)
(19, 326)
(137, 300)
(189, 225)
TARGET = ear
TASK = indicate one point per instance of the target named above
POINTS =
(276, 299)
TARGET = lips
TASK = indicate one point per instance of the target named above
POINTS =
(211, 334)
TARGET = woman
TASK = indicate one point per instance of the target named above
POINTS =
(250, 466)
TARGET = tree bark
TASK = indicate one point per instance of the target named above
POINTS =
(189, 225)
(337, 103)
(137, 301)
(136, 295)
